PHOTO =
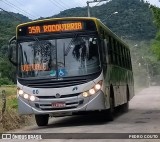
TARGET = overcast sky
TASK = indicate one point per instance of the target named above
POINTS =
(44, 8)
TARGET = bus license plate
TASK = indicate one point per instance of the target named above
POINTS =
(58, 105)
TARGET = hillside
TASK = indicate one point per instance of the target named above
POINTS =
(7, 28)
(134, 20)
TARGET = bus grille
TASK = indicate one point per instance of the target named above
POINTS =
(62, 96)
(56, 84)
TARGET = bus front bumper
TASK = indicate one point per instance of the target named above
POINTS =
(91, 103)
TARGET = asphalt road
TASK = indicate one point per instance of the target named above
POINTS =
(143, 117)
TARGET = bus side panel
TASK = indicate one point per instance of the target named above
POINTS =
(131, 86)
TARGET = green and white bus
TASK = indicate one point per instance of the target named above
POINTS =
(69, 66)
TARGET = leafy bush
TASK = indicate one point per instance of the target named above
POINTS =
(5, 81)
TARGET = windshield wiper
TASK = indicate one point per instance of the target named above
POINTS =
(69, 45)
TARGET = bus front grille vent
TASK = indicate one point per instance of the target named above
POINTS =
(56, 84)
(62, 96)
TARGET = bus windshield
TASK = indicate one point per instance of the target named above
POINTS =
(57, 58)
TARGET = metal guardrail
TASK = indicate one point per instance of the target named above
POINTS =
(2, 104)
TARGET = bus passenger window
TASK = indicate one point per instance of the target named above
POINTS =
(110, 50)
(113, 53)
(106, 46)
(121, 55)
(105, 53)
(117, 53)
(124, 57)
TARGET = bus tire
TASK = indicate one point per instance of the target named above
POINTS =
(110, 116)
(125, 107)
(42, 120)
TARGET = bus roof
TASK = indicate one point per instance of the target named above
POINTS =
(55, 19)
(109, 32)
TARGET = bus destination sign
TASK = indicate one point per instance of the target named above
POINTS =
(51, 28)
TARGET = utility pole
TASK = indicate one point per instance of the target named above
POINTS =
(88, 8)
(147, 69)
(88, 2)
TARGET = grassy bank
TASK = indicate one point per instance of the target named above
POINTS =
(11, 120)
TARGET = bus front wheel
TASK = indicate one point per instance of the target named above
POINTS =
(125, 106)
(42, 120)
(110, 116)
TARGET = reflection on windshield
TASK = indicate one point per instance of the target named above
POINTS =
(59, 57)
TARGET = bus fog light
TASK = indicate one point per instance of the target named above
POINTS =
(97, 86)
(20, 92)
(85, 94)
(32, 98)
(92, 91)
(26, 96)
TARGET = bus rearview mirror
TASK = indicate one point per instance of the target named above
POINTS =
(12, 51)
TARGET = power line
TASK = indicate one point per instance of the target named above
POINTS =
(20, 3)
(88, 2)
(11, 15)
(98, 3)
(65, 4)
(17, 8)
(79, 4)
(21, 9)
(54, 3)
(60, 4)
(82, 3)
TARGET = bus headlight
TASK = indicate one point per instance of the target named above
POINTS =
(32, 98)
(93, 90)
(85, 94)
(97, 86)
(26, 96)
(20, 92)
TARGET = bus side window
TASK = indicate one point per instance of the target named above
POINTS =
(106, 46)
(124, 59)
(113, 52)
(128, 59)
(104, 52)
(121, 54)
(130, 63)
(117, 53)
(110, 53)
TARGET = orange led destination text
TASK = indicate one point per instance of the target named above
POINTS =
(55, 28)
(34, 67)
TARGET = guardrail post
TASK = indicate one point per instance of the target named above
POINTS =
(3, 97)
(3, 101)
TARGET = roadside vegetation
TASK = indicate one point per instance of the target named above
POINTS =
(156, 41)
(10, 119)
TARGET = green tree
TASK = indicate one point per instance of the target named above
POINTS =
(156, 41)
